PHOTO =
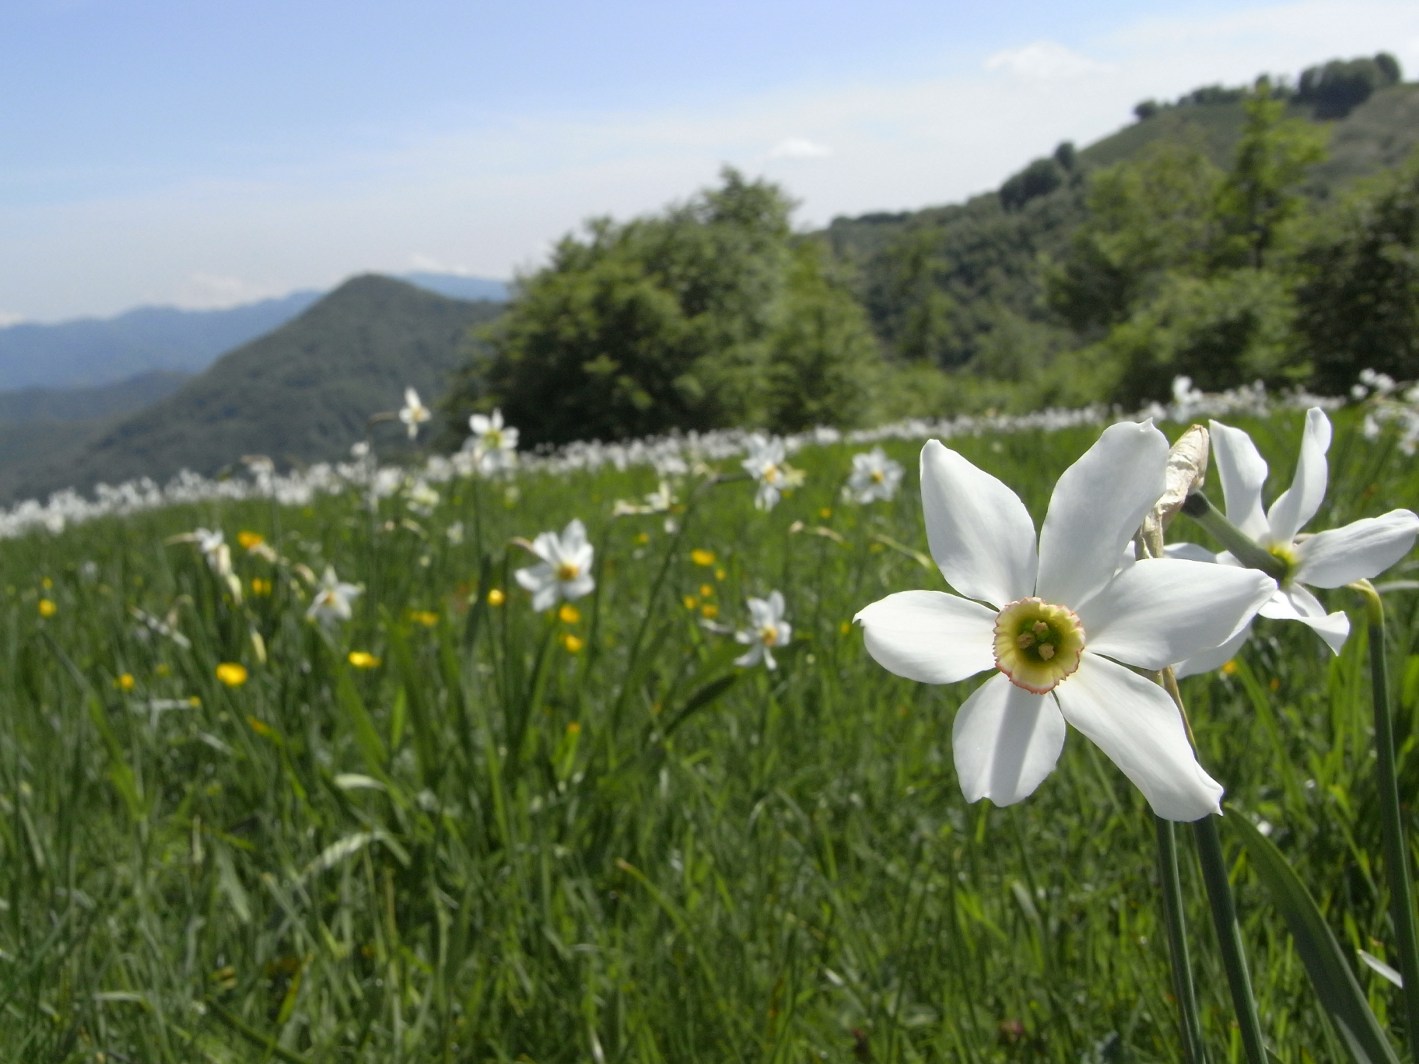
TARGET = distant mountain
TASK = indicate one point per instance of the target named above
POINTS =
(92, 352)
(972, 270)
(300, 394)
(30, 405)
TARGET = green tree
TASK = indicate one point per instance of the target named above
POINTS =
(918, 320)
(822, 355)
(673, 321)
(1145, 218)
(1358, 291)
(1263, 188)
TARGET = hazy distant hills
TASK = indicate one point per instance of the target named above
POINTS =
(93, 352)
(299, 394)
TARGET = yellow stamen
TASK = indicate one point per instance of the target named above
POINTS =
(1037, 644)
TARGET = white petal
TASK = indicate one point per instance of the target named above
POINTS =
(1163, 611)
(1211, 660)
(547, 547)
(1299, 503)
(1242, 471)
(1190, 552)
(1005, 741)
(534, 577)
(1096, 507)
(579, 587)
(1295, 603)
(574, 536)
(1136, 724)
(979, 532)
(929, 636)
(1360, 550)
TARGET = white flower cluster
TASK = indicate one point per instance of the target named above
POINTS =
(489, 450)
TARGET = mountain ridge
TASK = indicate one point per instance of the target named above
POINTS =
(302, 393)
(92, 351)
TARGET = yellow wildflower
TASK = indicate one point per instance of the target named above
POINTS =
(231, 673)
(568, 614)
(250, 540)
(124, 681)
(428, 618)
(701, 556)
(363, 659)
(47, 607)
(572, 644)
(496, 597)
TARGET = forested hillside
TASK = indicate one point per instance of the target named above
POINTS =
(301, 394)
(1238, 233)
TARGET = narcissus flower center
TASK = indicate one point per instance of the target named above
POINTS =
(1285, 553)
(768, 636)
(1037, 644)
(568, 571)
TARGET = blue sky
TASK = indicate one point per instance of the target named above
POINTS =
(202, 154)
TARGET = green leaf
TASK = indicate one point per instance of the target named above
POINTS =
(1334, 982)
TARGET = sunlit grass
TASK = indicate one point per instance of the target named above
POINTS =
(451, 828)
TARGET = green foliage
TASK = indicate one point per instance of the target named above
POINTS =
(1337, 87)
(822, 355)
(1040, 178)
(681, 321)
(1223, 330)
(1262, 190)
(1145, 218)
(1358, 291)
(488, 846)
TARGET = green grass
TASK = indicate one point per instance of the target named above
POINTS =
(494, 848)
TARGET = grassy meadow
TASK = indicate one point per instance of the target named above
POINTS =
(491, 834)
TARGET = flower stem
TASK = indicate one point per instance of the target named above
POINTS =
(1173, 917)
(1229, 935)
(1199, 507)
(1391, 818)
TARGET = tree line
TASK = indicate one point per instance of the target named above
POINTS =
(1071, 284)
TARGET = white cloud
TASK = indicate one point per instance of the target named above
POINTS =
(423, 263)
(7, 318)
(799, 148)
(1044, 61)
(208, 291)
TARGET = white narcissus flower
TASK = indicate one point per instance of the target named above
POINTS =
(765, 463)
(414, 413)
(767, 629)
(494, 444)
(1058, 623)
(564, 571)
(874, 476)
(1334, 558)
(333, 600)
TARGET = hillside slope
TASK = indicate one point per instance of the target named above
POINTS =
(301, 394)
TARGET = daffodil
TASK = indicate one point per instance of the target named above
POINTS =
(765, 463)
(874, 476)
(1058, 621)
(767, 629)
(414, 413)
(564, 569)
(494, 443)
(1329, 559)
(333, 600)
